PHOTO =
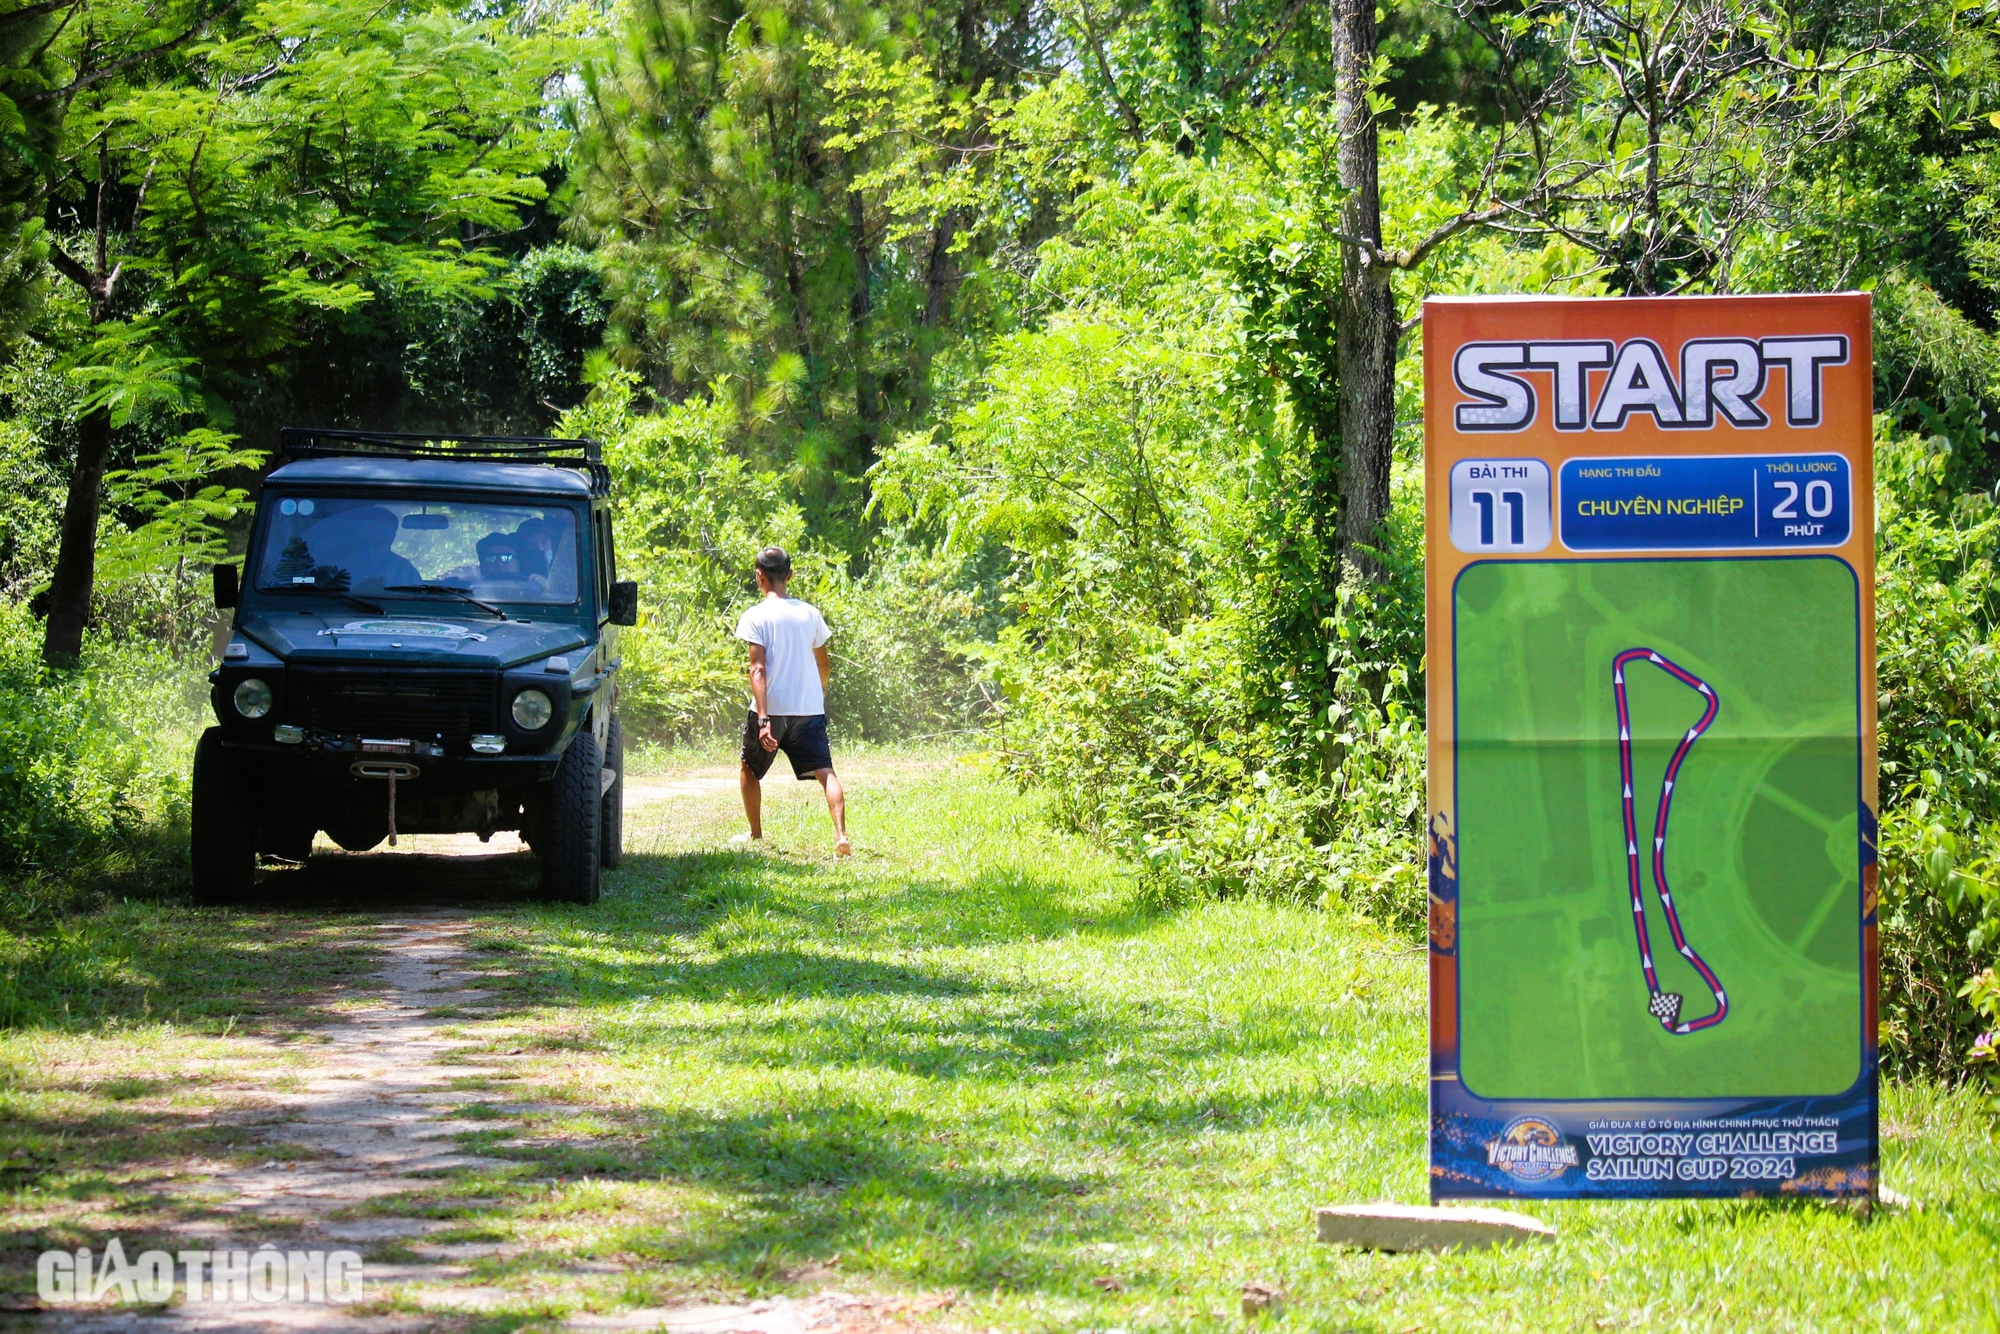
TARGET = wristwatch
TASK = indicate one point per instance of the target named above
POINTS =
(763, 720)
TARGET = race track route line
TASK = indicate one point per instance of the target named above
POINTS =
(1664, 1006)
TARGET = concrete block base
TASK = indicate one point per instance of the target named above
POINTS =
(1410, 1227)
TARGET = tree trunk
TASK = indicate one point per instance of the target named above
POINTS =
(1648, 277)
(940, 273)
(76, 555)
(76, 561)
(940, 279)
(860, 308)
(1367, 328)
(782, 151)
(795, 294)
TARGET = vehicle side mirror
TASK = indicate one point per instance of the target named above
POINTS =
(225, 586)
(624, 607)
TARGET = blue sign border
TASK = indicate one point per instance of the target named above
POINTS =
(1703, 502)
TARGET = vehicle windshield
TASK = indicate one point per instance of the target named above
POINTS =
(368, 545)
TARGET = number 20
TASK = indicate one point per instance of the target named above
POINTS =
(1819, 499)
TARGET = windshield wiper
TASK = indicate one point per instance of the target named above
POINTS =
(362, 603)
(462, 594)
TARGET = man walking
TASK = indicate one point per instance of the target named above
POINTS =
(789, 668)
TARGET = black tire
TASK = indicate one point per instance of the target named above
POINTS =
(222, 842)
(571, 866)
(611, 822)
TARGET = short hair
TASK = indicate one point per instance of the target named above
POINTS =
(775, 564)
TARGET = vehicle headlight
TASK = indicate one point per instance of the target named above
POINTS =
(532, 710)
(253, 698)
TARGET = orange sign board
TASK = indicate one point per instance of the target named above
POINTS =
(1650, 601)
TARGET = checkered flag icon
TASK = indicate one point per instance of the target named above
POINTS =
(1666, 1006)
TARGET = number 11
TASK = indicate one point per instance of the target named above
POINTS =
(1516, 504)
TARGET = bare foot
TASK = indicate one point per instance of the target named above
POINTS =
(842, 848)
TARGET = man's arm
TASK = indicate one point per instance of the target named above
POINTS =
(825, 661)
(760, 681)
(760, 694)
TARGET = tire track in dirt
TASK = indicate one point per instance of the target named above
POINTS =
(376, 1115)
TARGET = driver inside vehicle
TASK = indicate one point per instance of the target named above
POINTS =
(358, 541)
(499, 557)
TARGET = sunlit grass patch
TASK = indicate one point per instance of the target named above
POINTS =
(976, 1063)
(138, 962)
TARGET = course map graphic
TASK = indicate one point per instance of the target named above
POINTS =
(1664, 1005)
(1748, 792)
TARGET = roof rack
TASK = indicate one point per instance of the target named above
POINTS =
(586, 456)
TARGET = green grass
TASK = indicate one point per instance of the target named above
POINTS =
(971, 1062)
(972, 1067)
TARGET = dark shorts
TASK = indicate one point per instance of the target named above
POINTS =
(802, 739)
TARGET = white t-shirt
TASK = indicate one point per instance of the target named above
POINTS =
(789, 630)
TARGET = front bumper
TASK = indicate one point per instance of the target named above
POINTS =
(289, 768)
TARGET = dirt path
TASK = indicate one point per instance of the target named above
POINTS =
(373, 1114)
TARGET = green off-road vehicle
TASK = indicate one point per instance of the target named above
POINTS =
(425, 641)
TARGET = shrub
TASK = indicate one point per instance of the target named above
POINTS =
(1939, 682)
(93, 764)
(692, 515)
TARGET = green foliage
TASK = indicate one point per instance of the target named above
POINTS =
(306, 159)
(27, 515)
(741, 244)
(1982, 993)
(30, 122)
(691, 517)
(93, 765)
(152, 574)
(1177, 668)
(1940, 373)
(559, 291)
(1939, 677)
(909, 635)
(220, 189)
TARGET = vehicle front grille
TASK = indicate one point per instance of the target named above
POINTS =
(368, 702)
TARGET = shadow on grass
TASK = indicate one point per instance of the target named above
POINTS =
(658, 906)
(999, 905)
(815, 1178)
(807, 980)
(63, 1151)
(694, 928)
(384, 882)
(139, 962)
